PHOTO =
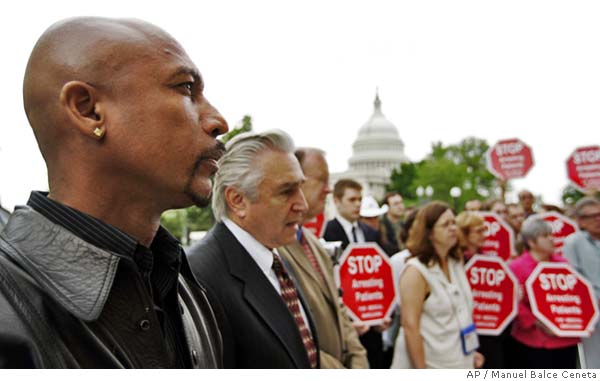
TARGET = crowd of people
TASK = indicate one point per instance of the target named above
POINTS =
(424, 281)
(89, 278)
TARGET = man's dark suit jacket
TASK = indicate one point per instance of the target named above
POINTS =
(371, 340)
(335, 232)
(258, 329)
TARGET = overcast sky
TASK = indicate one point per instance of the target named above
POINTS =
(445, 70)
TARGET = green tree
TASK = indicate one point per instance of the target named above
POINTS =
(244, 125)
(570, 195)
(173, 221)
(199, 218)
(402, 180)
(460, 165)
(442, 174)
(471, 153)
(180, 222)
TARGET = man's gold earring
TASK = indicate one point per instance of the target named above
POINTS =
(98, 132)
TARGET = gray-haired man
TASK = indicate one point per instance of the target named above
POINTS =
(258, 204)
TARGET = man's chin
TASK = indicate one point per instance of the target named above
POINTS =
(201, 202)
(198, 199)
(288, 236)
(199, 194)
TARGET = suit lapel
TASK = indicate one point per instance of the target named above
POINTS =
(333, 292)
(297, 252)
(338, 232)
(329, 290)
(261, 296)
(369, 233)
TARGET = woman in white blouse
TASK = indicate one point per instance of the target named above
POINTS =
(437, 325)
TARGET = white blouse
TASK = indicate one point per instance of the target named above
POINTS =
(447, 310)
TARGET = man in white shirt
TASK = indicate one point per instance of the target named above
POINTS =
(258, 204)
(345, 227)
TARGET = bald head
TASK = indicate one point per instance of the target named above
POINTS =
(95, 51)
(527, 200)
(118, 104)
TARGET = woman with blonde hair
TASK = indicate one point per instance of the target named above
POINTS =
(471, 236)
(437, 324)
(471, 233)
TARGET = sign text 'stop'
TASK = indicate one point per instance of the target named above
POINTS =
(367, 283)
(509, 159)
(583, 168)
(562, 299)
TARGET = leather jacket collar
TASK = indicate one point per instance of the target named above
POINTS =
(76, 274)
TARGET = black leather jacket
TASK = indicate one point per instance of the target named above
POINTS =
(54, 288)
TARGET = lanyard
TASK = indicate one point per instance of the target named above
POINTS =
(468, 334)
(460, 290)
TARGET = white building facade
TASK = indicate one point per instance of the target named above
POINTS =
(376, 151)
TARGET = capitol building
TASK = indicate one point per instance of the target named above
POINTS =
(376, 151)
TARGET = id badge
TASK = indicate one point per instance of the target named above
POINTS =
(469, 339)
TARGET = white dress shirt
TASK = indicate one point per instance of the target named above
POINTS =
(347, 225)
(263, 258)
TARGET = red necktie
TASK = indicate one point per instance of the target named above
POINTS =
(311, 257)
(290, 296)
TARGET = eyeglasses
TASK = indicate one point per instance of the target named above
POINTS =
(446, 224)
(590, 216)
(480, 229)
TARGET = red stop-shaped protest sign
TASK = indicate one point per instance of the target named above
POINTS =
(494, 289)
(562, 299)
(509, 159)
(583, 168)
(365, 276)
(562, 227)
(499, 236)
(316, 225)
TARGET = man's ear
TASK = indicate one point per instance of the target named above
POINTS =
(236, 202)
(80, 101)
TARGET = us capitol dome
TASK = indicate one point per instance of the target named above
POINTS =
(376, 151)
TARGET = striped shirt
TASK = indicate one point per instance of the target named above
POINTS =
(157, 265)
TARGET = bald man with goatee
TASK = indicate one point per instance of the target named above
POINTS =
(88, 277)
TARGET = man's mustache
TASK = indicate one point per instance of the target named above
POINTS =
(213, 153)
